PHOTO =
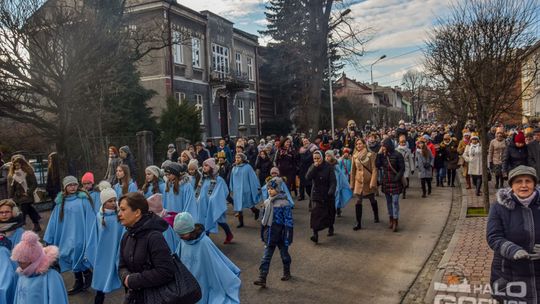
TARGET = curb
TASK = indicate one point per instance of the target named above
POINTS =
(441, 268)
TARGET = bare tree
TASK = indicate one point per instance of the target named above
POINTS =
(475, 54)
(415, 83)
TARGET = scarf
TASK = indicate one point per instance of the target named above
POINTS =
(170, 153)
(475, 149)
(7, 227)
(20, 177)
(527, 201)
(277, 201)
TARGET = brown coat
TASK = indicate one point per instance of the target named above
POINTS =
(364, 170)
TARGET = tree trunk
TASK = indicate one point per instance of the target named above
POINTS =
(483, 126)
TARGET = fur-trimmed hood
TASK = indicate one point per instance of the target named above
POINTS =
(506, 198)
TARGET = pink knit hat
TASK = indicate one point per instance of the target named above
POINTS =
(88, 177)
(211, 162)
(30, 250)
(155, 204)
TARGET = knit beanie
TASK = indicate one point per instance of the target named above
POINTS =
(104, 185)
(193, 164)
(68, 180)
(155, 204)
(242, 156)
(187, 153)
(211, 162)
(125, 149)
(106, 194)
(183, 223)
(275, 183)
(30, 250)
(274, 170)
(519, 138)
(88, 177)
(174, 169)
(154, 170)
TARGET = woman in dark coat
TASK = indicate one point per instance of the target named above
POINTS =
(286, 158)
(263, 164)
(305, 158)
(512, 235)
(323, 179)
(450, 144)
(145, 258)
(22, 184)
(516, 154)
(392, 167)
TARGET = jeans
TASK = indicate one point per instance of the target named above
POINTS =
(451, 177)
(441, 174)
(477, 182)
(392, 203)
(267, 257)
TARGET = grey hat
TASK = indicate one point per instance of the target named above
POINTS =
(68, 180)
(242, 156)
(522, 170)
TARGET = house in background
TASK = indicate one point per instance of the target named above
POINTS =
(530, 84)
(209, 64)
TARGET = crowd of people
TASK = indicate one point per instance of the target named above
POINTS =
(120, 233)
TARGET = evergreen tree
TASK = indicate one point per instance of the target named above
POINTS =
(180, 120)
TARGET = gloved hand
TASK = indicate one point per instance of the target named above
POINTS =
(521, 254)
(536, 254)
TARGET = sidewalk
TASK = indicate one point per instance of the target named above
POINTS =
(464, 270)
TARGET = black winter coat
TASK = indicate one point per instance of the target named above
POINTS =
(514, 156)
(263, 166)
(323, 212)
(145, 257)
(512, 227)
(440, 158)
(305, 161)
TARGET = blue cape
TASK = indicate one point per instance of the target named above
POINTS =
(96, 200)
(172, 239)
(103, 250)
(8, 277)
(150, 191)
(218, 277)
(47, 288)
(71, 234)
(131, 188)
(244, 184)
(343, 190)
(15, 238)
(265, 195)
(184, 201)
(212, 207)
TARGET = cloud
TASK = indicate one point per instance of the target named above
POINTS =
(226, 8)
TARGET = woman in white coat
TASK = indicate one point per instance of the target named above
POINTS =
(473, 156)
(409, 160)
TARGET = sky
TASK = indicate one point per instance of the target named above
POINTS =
(399, 30)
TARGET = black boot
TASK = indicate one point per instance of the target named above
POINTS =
(256, 212)
(261, 281)
(100, 297)
(358, 210)
(240, 220)
(78, 286)
(87, 275)
(286, 273)
(37, 228)
(315, 237)
(331, 231)
(338, 212)
(375, 208)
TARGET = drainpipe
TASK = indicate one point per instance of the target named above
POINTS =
(171, 62)
(257, 83)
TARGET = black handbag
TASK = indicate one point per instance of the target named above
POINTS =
(183, 289)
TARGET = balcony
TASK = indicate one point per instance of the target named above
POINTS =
(233, 82)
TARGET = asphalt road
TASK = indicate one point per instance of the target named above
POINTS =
(373, 265)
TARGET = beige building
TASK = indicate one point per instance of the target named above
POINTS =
(530, 84)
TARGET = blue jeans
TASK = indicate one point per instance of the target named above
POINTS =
(267, 257)
(392, 203)
(441, 174)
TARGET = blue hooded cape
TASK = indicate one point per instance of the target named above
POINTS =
(150, 191)
(343, 190)
(47, 288)
(118, 188)
(8, 277)
(15, 238)
(103, 249)
(212, 207)
(265, 195)
(71, 234)
(96, 200)
(183, 201)
(172, 239)
(245, 186)
(218, 277)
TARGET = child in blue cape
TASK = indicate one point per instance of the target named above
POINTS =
(103, 247)
(211, 194)
(125, 183)
(274, 172)
(276, 230)
(8, 276)
(155, 205)
(69, 229)
(11, 222)
(87, 182)
(179, 194)
(38, 283)
(153, 182)
(218, 277)
(343, 189)
(244, 187)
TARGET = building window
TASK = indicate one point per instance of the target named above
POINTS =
(220, 60)
(252, 113)
(178, 57)
(238, 64)
(196, 52)
(250, 68)
(241, 118)
(180, 97)
(199, 105)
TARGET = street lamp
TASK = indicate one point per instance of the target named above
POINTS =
(341, 15)
(373, 85)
